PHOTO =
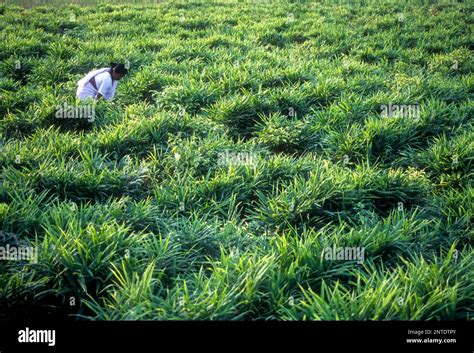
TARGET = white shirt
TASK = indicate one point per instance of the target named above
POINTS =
(103, 80)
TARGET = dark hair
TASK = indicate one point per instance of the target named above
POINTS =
(119, 68)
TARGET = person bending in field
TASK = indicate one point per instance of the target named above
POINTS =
(101, 83)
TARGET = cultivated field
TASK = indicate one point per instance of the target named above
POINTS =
(262, 160)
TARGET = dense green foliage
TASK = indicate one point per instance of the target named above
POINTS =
(133, 214)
